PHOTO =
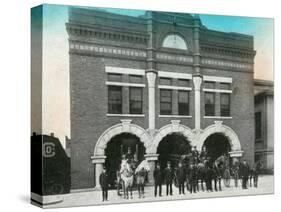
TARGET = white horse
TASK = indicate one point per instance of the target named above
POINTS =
(127, 176)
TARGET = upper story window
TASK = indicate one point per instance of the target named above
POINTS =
(210, 85)
(115, 99)
(209, 104)
(174, 41)
(114, 77)
(165, 102)
(183, 83)
(135, 79)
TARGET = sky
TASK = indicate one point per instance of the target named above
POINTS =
(56, 103)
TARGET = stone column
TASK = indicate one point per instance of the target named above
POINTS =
(197, 80)
(151, 158)
(151, 76)
(98, 161)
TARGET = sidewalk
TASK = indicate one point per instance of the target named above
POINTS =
(266, 186)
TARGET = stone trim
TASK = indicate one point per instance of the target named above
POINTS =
(217, 79)
(177, 75)
(118, 70)
(218, 127)
(174, 116)
(217, 117)
(125, 127)
(216, 90)
(174, 87)
(125, 84)
(125, 115)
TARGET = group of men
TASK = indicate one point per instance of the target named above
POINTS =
(200, 174)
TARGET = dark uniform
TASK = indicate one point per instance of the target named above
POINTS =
(244, 170)
(209, 178)
(104, 185)
(217, 177)
(195, 155)
(169, 176)
(257, 168)
(157, 174)
(192, 179)
(181, 176)
(235, 171)
(203, 156)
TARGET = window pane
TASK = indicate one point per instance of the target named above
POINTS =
(183, 105)
(165, 102)
(225, 86)
(174, 41)
(114, 99)
(135, 100)
(258, 125)
(135, 79)
(165, 81)
(183, 82)
(114, 77)
(209, 104)
(225, 104)
(208, 84)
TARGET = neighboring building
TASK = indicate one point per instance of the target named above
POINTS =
(264, 122)
(159, 84)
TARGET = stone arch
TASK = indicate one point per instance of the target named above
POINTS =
(174, 127)
(218, 127)
(124, 127)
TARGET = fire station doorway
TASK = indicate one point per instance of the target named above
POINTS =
(216, 145)
(122, 144)
(174, 148)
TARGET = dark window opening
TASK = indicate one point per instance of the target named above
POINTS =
(115, 99)
(209, 104)
(135, 100)
(165, 102)
(225, 104)
(183, 106)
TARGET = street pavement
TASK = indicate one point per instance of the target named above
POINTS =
(266, 186)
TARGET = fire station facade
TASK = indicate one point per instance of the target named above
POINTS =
(157, 83)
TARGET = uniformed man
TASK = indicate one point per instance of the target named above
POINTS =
(203, 155)
(195, 154)
(181, 176)
(218, 170)
(192, 178)
(129, 155)
(157, 174)
(256, 171)
(103, 180)
(235, 171)
(244, 174)
(209, 178)
(169, 177)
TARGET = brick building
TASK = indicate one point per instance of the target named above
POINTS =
(158, 83)
(264, 123)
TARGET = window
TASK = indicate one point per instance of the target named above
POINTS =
(174, 41)
(210, 85)
(183, 105)
(114, 99)
(165, 81)
(135, 100)
(135, 79)
(225, 86)
(183, 82)
(165, 102)
(209, 104)
(114, 77)
(225, 104)
(258, 125)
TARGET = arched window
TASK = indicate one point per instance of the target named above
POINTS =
(174, 41)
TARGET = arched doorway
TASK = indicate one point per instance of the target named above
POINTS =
(118, 146)
(173, 147)
(216, 145)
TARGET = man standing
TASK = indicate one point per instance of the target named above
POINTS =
(203, 155)
(218, 170)
(209, 178)
(104, 184)
(157, 174)
(180, 174)
(244, 174)
(192, 178)
(169, 176)
(235, 171)
(195, 154)
(256, 171)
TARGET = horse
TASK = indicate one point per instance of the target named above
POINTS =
(127, 176)
(141, 174)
